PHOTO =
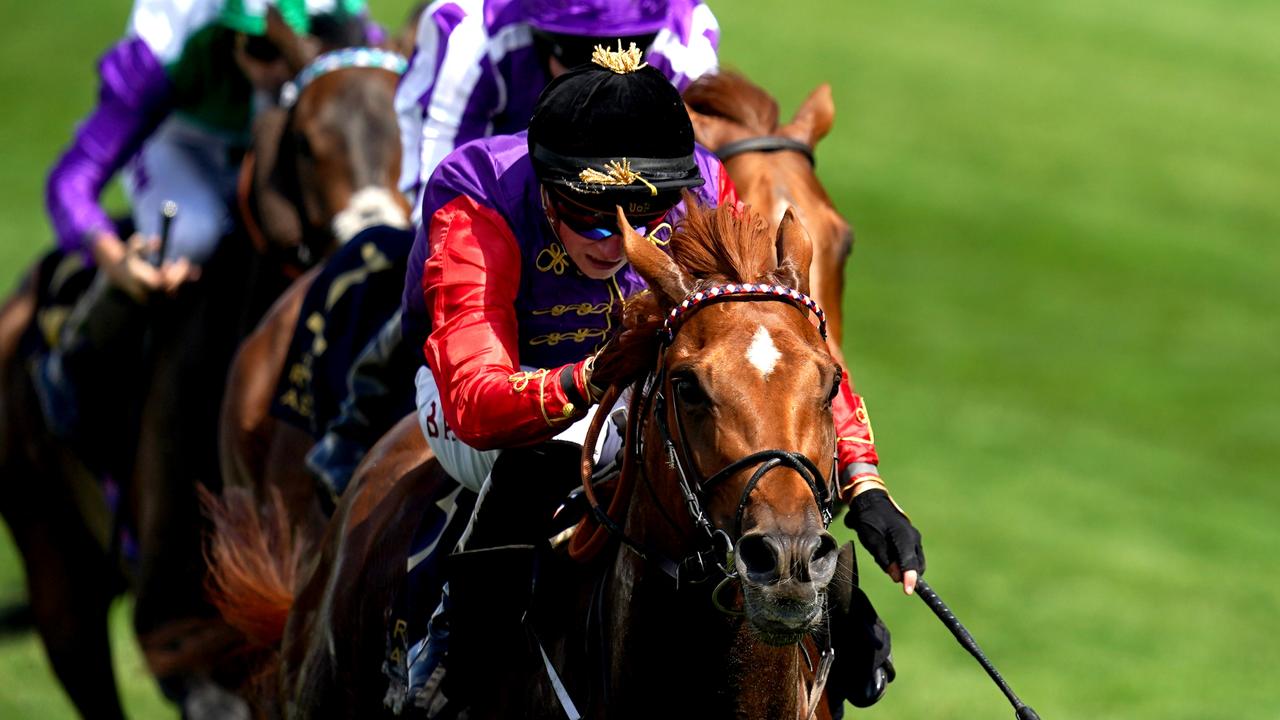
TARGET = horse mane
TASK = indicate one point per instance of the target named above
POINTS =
(718, 245)
(731, 96)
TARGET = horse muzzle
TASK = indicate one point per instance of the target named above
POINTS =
(784, 580)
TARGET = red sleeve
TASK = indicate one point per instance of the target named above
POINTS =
(469, 284)
(728, 194)
(855, 442)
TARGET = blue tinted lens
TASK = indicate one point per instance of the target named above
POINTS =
(600, 233)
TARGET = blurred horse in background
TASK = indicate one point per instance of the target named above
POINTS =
(772, 166)
(311, 161)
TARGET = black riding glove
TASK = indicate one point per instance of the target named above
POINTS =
(885, 532)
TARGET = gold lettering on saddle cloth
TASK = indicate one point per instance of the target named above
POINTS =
(374, 261)
(579, 335)
(553, 258)
(580, 309)
(315, 323)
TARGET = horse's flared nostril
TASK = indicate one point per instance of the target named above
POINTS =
(821, 563)
(759, 556)
(825, 549)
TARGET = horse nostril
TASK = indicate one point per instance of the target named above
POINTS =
(759, 556)
(826, 546)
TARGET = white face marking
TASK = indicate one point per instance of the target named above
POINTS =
(762, 353)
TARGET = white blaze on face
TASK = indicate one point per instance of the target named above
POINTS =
(762, 353)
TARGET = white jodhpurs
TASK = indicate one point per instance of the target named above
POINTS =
(470, 466)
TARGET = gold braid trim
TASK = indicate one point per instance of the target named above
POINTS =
(616, 172)
(620, 61)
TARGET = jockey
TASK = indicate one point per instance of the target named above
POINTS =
(477, 70)
(516, 280)
(479, 65)
(175, 104)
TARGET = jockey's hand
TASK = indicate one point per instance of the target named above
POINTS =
(127, 267)
(888, 535)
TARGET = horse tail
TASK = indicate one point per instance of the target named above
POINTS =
(254, 560)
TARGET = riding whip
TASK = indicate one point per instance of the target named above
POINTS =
(939, 608)
(168, 212)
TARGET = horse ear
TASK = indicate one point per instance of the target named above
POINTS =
(714, 132)
(275, 183)
(656, 267)
(295, 49)
(813, 120)
(795, 252)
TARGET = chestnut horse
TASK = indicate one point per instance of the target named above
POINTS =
(55, 507)
(747, 386)
(772, 166)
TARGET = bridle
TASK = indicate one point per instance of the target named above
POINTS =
(715, 548)
(765, 144)
(340, 59)
(302, 256)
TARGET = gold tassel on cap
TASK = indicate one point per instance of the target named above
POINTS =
(616, 172)
(620, 61)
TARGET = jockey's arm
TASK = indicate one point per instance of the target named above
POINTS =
(446, 97)
(470, 282)
(882, 526)
(133, 98)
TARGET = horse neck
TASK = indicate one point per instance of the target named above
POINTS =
(673, 643)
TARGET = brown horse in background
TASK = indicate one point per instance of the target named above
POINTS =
(256, 450)
(772, 166)
(649, 640)
(55, 507)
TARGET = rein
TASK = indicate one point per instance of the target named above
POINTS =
(765, 144)
(716, 547)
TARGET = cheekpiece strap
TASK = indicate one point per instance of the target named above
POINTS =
(738, 291)
(353, 57)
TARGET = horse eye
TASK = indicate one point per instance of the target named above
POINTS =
(688, 391)
(835, 387)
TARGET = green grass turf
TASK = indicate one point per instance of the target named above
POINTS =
(1062, 311)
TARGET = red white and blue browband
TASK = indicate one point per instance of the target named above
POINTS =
(738, 291)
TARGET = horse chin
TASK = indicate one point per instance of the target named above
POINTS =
(780, 614)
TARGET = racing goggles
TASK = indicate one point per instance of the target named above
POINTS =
(595, 225)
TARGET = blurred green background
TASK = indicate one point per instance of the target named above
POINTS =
(1063, 310)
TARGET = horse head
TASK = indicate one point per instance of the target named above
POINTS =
(773, 168)
(737, 421)
(326, 162)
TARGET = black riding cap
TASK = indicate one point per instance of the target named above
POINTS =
(630, 128)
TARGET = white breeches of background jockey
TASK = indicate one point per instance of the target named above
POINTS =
(470, 466)
(196, 169)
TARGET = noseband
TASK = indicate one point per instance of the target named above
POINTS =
(717, 548)
(766, 144)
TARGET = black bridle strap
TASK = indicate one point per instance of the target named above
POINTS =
(766, 144)
(766, 459)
